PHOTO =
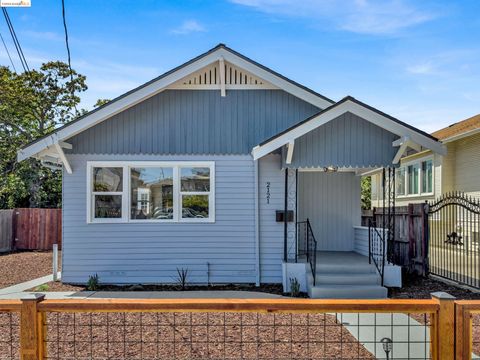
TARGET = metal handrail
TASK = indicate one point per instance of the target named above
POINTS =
(376, 248)
(311, 247)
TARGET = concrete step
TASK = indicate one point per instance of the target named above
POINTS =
(345, 269)
(347, 292)
(347, 279)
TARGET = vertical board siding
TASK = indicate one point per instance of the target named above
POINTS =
(195, 122)
(37, 229)
(271, 232)
(346, 141)
(332, 203)
(151, 252)
(6, 230)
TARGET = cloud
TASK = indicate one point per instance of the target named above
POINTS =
(188, 27)
(375, 17)
(421, 69)
(44, 35)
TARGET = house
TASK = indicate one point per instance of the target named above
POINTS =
(216, 166)
(425, 176)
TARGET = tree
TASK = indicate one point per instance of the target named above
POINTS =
(33, 105)
(366, 192)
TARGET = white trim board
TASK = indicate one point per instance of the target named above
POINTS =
(150, 89)
(348, 105)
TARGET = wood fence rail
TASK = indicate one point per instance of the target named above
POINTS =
(30, 229)
(449, 324)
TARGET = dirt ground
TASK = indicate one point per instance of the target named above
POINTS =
(22, 266)
(415, 287)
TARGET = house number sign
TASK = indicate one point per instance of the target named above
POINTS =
(268, 192)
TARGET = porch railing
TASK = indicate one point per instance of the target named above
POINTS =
(376, 248)
(307, 245)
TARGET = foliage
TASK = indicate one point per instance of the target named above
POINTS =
(294, 287)
(182, 278)
(33, 105)
(43, 287)
(101, 102)
(93, 283)
(366, 192)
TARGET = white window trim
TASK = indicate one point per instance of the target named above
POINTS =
(418, 162)
(126, 191)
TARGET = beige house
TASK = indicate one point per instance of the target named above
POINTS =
(425, 175)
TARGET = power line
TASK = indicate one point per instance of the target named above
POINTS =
(8, 52)
(66, 39)
(18, 47)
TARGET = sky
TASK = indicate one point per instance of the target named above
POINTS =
(418, 61)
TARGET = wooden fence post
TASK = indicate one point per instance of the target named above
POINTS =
(31, 328)
(443, 327)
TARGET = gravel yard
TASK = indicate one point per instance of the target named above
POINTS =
(19, 267)
(416, 287)
(200, 336)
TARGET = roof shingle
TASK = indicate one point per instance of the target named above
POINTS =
(458, 128)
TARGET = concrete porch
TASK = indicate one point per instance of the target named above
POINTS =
(344, 275)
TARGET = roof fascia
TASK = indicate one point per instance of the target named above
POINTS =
(348, 105)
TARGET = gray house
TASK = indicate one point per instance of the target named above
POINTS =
(216, 166)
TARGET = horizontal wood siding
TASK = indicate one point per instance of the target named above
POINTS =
(466, 166)
(271, 198)
(195, 122)
(360, 244)
(347, 141)
(151, 252)
(332, 203)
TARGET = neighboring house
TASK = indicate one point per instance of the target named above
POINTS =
(424, 176)
(196, 168)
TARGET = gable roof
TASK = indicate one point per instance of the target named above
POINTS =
(350, 104)
(459, 129)
(160, 83)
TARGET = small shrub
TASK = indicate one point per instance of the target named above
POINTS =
(92, 283)
(182, 278)
(43, 287)
(294, 287)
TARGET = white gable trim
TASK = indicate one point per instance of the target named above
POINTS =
(339, 109)
(155, 87)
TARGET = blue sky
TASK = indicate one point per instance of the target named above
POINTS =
(416, 60)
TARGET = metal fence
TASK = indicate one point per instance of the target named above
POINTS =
(228, 329)
(454, 225)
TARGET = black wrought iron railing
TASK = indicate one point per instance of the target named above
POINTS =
(376, 247)
(307, 245)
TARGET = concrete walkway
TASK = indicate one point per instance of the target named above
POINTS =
(410, 338)
(27, 285)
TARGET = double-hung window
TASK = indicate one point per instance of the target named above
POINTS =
(106, 198)
(151, 191)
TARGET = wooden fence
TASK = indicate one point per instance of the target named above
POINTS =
(6, 230)
(185, 328)
(30, 229)
(410, 242)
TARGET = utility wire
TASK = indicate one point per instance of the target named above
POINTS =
(18, 47)
(8, 52)
(68, 51)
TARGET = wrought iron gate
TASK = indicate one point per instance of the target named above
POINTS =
(453, 225)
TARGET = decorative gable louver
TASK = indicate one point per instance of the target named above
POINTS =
(209, 77)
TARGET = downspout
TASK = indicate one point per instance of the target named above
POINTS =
(257, 224)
